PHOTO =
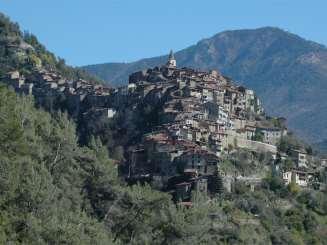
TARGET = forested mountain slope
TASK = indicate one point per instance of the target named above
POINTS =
(54, 191)
(22, 51)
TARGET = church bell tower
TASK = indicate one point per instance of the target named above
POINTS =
(171, 63)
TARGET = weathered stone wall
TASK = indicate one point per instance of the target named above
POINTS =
(256, 145)
(242, 142)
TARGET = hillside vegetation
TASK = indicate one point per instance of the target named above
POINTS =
(22, 51)
(53, 191)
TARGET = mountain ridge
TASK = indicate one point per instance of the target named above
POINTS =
(287, 71)
(112, 78)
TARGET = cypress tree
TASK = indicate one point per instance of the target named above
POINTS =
(217, 186)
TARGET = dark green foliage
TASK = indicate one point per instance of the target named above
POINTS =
(133, 213)
(7, 27)
(316, 201)
(275, 184)
(310, 222)
(258, 136)
(294, 219)
(240, 188)
(53, 191)
(216, 186)
(245, 162)
(43, 174)
(290, 142)
(288, 164)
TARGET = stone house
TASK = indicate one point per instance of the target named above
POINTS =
(181, 83)
(215, 112)
(214, 74)
(100, 112)
(183, 190)
(249, 100)
(138, 162)
(240, 100)
(271, 135)
(27, 88)
(258, 108)
(212, 127)
(218, 96)
(250, 131)
(196, 135)
(191, 122)
(131, 87)
(110, 112)
(215, 144)
(239, 123)
(299, 157)
(51, 85)
(228, 103)
(158, 142)
(195, 93)
(161, 152)
(287, 177)
(201, 160)
(207, 94)
(14, 79)
(162, 162)
(302, 178)
(186, 133)
(13, 75)
(204, 134)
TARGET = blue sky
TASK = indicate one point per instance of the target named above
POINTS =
(89, 32)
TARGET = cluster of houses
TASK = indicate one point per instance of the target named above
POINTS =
(301, 174)
(202, 117)
(206, 107)
(44, 80)
(79, 96)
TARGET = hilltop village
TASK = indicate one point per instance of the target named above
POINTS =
(203, 117)
(194, 121)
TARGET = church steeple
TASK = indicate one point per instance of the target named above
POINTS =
(171, 55)
(171, 63)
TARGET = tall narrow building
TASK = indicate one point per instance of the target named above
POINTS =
(171, 63)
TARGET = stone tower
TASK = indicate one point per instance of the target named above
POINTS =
(171, 63)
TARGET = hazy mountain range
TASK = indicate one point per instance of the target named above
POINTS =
(288, 72)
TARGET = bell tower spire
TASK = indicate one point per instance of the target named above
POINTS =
(171, 63)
